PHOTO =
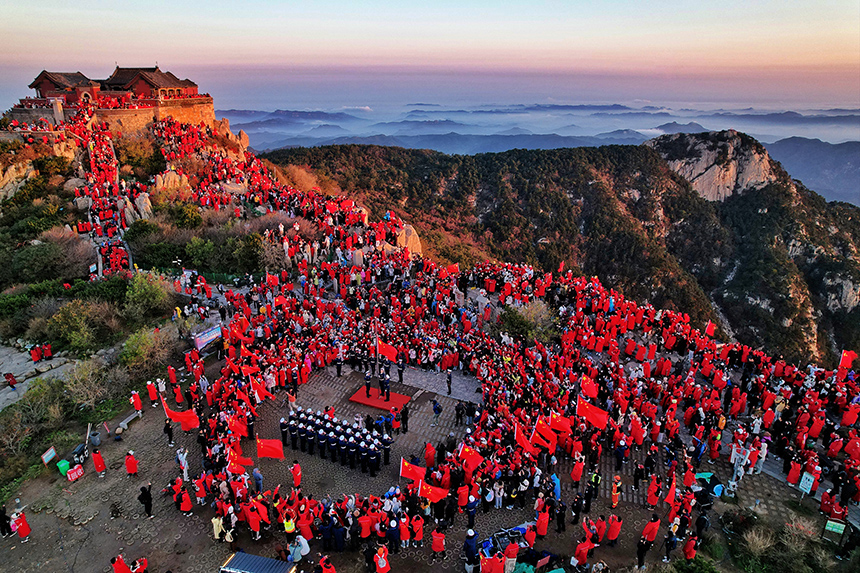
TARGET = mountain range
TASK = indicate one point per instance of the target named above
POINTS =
(707, 222)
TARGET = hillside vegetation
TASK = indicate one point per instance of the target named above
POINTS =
(776, 265)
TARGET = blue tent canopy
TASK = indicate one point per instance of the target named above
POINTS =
(247, 563)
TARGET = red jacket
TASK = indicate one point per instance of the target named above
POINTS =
(438, 541)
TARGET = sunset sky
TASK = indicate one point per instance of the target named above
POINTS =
(766, 52)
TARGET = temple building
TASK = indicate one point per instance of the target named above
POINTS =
(123, 83)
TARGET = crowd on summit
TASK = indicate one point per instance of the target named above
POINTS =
(623, 377)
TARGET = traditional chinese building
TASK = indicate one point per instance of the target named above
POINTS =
(137, 83)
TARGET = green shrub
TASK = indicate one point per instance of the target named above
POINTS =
(186, 216)
(139, 229)
(199, 252)
(145, 351)
(697, 565)
(83, 325)
(148, 295)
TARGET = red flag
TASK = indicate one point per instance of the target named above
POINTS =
(188, 419)
(388, 351)
(559, 422)
(453, 269)
(434, 494)
(594, 415)
(233, 457)
(848, 357)
(543, 435)
(248, 370)
(411, 471)
(709, 329)
(560, 267)
(471, 458)
(670, 496)
(237, 427)
(523, 442)
(443, 274)
(589, 388)
(270, 449)
(271, 280)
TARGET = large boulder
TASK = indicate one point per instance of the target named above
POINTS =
(408, 237)
(144, 205)
(171, 181)
(13, 178)
(73, 183)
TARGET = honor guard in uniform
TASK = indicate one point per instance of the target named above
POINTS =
(386, 449)
(363, 454)
(401, 366)
(303, 437)
(322, 441)
(284, 426)
(294, 434)
(353, 452)
(373, 460)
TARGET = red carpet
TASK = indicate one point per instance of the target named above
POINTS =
(397, 400)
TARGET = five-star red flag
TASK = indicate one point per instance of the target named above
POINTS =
(589, 388)
(594, 415)
(270, 449)
(388, 351)
(559, 423)
(411, 471)
(670, 496)
(434, 494)
(847, 358)
(523, 441)
(709, 329)
(471, 458)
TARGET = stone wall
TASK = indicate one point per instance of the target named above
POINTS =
(126, 120)
(194, 111)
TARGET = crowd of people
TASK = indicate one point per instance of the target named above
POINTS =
(623, 377)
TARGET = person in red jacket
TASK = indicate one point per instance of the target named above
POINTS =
(99, 462)
(381, 560)
(615, 523)
(690, 548)
(581, 552)
(542, 524)
(511, 552)
(417, 524)
(137, 403)
(438, 545)
(153, 393)
(297, 474)
(530, 536)
(185, 504)
(651, 529)
(130, 464)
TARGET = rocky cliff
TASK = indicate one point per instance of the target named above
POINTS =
(717, 164)
(770, 260)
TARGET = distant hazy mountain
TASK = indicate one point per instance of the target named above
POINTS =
(514, 131)
(675, 127)
(628, 136)
(459, 144)
(831, 170)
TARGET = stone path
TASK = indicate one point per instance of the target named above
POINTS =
(20, 364)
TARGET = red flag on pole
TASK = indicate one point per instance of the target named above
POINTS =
(471, 458)
(589, 388)
(594, 415)
(544, 435)
(522, 441)
(388, 351)
(188, 419)
(559, 422)
(270, 449)
(670, 496)
(453, 269)
(709, 329)
(411, 471)
(847, 358)
(434, 494)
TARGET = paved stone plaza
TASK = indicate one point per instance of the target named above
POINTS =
(78, 527)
